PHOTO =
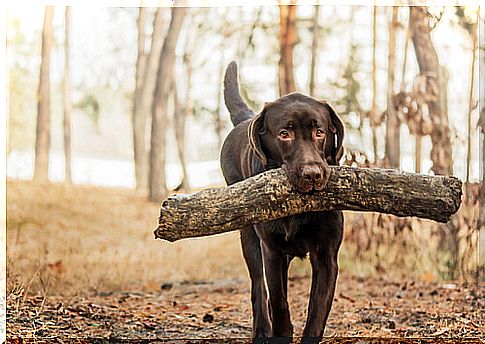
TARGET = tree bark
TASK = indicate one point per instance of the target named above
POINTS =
(288, 40)
(157, 176)
(66, 96)
(138, 117)
(436, 89)
(313, 63)
(393, 125)
(42, 143)
(269, 196)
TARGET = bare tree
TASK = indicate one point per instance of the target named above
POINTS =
(157, 176)
(481, 125)
(138, 118)
(471, 101)
(144, 97)
(42, 143)
(219, 122)
(66, 96)
(316, 36)
(287, 39)
(416, 124)
(435, 86)
(392, 121)
(179, 116)
(373, 112)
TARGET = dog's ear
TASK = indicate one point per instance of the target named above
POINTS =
(257, 128)
(337, 129)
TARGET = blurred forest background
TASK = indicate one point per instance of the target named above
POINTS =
(112, 109)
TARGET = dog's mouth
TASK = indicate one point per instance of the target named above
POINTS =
(307, 180)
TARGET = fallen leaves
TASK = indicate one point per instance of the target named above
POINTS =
(364, 307)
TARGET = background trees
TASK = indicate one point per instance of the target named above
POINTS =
(155, 120)
(42, 143)
(165, 80)
(66, 95)
(433, 77)
(287, 39)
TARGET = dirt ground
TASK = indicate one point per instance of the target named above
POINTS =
(369, 307)
(82, 264)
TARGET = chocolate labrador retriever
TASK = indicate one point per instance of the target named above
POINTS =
(303, 136)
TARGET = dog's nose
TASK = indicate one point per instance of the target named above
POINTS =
(311, 173)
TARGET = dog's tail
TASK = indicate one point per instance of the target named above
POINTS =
(238, 109)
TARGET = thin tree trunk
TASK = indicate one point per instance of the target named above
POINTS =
(157, 176)
(143, 105)
(42, 144)
(218, 120)
(316, 36)
(138, 118)
(66, 86)
(180, 115)
(150, 71)
(481, 125)
(417, 154)
(392, 122)
(436, 89)
(481, 199)
(470, 103)
(405, 60)
(288, 40)
(373, 111)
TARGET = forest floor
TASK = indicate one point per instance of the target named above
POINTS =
(82, 264)
(370, 307)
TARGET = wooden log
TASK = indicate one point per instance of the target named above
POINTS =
(269, 196)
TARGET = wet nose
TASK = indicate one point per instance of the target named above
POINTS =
(311, 173)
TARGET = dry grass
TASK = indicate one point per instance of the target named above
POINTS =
(65, 239)
(82, 238)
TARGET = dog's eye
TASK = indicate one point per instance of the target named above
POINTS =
(320, 133)
(284, 134)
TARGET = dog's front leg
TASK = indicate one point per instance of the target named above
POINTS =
(259, 300)
(324, 277)
(276, 272)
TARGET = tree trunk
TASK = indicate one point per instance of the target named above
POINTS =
(417, 153)
(316, 36)
(269, 196)
(144, 103)
(373, 112)
(138, 117)
(180, 114)
(471, 103)
(66, 86)
(42, 143)
(393, 125)
(157, 177)
(481, 197)
(436, 89)
(288, 40)
(481, 125)
(218, 122)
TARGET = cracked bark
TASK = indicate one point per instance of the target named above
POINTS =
(269, 196)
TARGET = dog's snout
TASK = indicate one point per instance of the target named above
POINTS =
(311, 173)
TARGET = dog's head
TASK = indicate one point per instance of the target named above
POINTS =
(303, 135)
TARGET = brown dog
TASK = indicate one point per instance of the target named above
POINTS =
(304, 136)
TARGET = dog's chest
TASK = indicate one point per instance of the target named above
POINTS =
(294, 235)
